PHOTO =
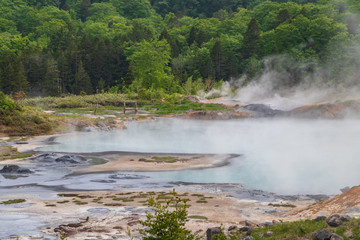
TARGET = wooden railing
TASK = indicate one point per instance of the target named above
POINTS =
(131, 108)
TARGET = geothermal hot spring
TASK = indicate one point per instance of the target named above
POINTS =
(285, 156)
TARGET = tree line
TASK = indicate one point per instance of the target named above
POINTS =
(54, 47)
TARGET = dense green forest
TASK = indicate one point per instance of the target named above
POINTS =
(55, 47)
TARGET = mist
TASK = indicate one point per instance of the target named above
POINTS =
(284, 88)
(285, 156)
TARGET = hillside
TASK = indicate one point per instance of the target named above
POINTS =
(82, 46)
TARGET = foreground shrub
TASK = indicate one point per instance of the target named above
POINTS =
(168, 220)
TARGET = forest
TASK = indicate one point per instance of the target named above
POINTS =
(57, 47)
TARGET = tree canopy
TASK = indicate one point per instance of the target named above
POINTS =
(54, 47)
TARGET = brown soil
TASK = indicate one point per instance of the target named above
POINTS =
(336, 205)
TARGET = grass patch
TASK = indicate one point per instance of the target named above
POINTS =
(197, 195)
(182, 106)
(77, 202)
(291, 230)
(165, 159)
(85, 196)
(113, 204)
(67, 195)
(62, 202)
(97, 200)
(198, 217)
(50, 205)
(9, 152)
(13, 201)
(128, 200)
(201, 201)
(282, 205)
(164, 197)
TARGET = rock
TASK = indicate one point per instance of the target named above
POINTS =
(70, 159)
(335, 237)
(268, 234)
(345, 189)
(15, 169)
(247, 238)
(276, 222)
(334, 220)
(248, 223)
(210, 232)
(232, 228)
(102, 126)
(9, 169)
(319, 218)
(322, 235)
(262, 109)
(47, 157)
(244, 229)
(214, 115)
(345, 218)
(268, 224)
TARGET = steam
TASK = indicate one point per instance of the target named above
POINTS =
(286, 83)
(285, 156)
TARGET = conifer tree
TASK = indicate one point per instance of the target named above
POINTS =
(251, 44)
(283, 16)
(82, 81)
(217, 56)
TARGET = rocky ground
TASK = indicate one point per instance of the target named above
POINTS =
(110, 214)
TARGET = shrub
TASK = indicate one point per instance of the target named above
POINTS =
(167, 222)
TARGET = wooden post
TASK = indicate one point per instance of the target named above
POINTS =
(96, 106)
(130, 108)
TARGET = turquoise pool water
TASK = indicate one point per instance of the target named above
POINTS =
(280, 155)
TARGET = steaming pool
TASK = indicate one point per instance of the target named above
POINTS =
(285, 156)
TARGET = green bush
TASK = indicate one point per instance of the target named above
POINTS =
(167, 222)
(7, 105)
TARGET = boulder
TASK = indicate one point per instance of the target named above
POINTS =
(335, 237)
(102, 126)
(345, 218)
(262, 109)
(46, 157)
(70, 159)
(248, 223)
(244, 229)
(268, 233)
(345, 189)
(334, 220)
(210, 232)
(232, 228)
(322, 235)
(15, 169)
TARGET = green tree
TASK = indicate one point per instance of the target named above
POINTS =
(134, 8)
(84, 9)
(12, 74)
(218, 58)
(82, 81)
(251, 43)
(167, 222)
(283, 16)
(51, 81)
(151, 59)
